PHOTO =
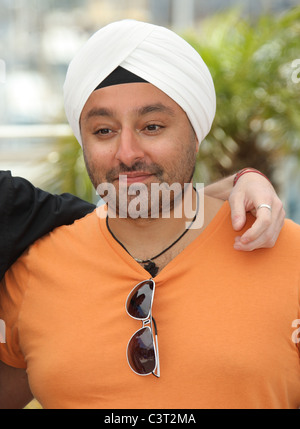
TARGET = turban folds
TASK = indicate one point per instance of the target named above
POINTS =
(154, 53)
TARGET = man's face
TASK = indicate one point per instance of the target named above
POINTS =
(136, 130)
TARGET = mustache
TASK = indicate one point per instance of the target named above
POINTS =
(114, 173)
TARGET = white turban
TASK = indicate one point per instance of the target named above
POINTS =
(151, 52)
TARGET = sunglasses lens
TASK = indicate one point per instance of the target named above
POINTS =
(140, 352)
(140, 300)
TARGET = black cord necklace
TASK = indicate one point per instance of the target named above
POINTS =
(149, 265)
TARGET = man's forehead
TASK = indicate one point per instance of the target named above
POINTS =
(140, 99)
(140, 111)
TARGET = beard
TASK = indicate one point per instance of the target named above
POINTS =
(156, 199)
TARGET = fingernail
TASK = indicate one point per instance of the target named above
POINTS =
(237, 247)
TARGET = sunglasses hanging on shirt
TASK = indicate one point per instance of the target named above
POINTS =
(142, 348)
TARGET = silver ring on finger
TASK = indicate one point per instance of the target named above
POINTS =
(266, 206)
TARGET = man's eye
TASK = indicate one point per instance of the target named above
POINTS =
(103, 131)
(153, 127)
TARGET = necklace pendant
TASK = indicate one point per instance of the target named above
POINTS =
(152, 268)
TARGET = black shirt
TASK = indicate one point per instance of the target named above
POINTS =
(27, 213)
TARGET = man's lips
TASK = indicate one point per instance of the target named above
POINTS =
(136, 176)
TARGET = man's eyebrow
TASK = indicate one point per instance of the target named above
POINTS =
(141, 111)
(160, 108)
(98, 111)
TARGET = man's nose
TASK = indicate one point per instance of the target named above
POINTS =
(129, 148)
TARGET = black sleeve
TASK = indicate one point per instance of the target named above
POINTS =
(27, 213)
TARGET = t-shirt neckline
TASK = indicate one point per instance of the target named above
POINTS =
(199, 241)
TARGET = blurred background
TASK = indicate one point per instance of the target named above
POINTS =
(252, 48)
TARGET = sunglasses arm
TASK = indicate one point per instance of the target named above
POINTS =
(157, 369)
(156, 372)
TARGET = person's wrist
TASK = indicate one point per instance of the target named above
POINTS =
(247, 170)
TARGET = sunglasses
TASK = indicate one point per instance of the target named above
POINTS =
(142, 350)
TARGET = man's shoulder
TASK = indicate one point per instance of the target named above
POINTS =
(66, 237)
(63, 244)
(291, 229)
(286, 251)
(81, 228)
(290, 234)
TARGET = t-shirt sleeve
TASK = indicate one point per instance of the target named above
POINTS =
(12, 290)
(27, 213)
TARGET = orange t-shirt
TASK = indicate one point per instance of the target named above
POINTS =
(225, 321)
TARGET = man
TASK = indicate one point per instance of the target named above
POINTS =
(222, 319)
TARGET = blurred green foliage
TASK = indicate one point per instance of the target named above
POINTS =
(258, 102)
(258, 99)
(66, 172)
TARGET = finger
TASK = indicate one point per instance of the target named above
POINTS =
(238, 211)
(263, 222)
(260, 235)
(261, 242)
